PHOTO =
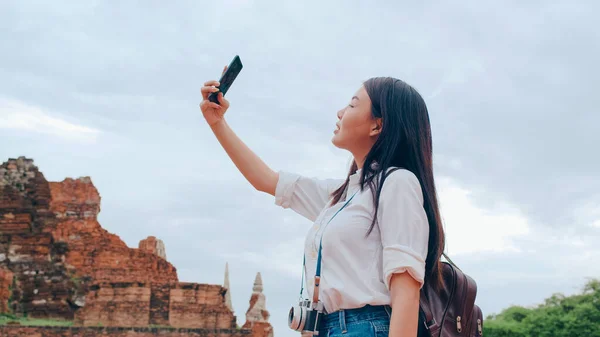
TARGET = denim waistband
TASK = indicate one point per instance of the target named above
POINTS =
(345, 316)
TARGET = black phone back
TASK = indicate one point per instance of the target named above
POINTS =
(227, 79)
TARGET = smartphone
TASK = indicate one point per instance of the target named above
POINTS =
(227, 78)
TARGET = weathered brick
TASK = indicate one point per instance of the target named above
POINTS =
(56, 261)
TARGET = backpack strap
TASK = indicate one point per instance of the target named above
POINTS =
(430, 323)
(450, 261)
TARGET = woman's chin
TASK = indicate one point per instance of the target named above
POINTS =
(336, 141)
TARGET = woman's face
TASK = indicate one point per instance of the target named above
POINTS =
(356, 130)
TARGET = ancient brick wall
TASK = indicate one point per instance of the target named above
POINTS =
(43, 286)
(154, 246)
(260, 329)
(182, 305)
(17, 331)
(116, 304)
(56, 261)
(51, 241)
(93, 251)
(257, 315)
(199, 306)
(160, 295)
(6, 281)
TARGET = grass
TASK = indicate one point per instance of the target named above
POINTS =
(158, 326)
(24, 321)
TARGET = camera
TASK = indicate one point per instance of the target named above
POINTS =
(306, 317)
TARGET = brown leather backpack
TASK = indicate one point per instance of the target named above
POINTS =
(451, 311)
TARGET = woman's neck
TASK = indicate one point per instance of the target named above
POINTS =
(359, 160)
(359, 163)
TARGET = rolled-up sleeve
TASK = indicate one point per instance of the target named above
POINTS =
(403, 225)
(306, 196)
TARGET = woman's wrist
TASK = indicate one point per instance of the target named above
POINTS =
(218, 125)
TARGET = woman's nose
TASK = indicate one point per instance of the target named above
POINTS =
(340, 113)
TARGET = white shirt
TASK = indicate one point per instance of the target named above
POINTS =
(356, 270)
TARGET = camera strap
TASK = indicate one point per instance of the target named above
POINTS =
(318, 270)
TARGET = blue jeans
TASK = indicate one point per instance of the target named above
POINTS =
(364, 322)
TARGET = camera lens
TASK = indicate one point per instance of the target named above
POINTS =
(297, 318)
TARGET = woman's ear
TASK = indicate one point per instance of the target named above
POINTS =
(376, 127)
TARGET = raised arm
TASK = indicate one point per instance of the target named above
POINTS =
(254, 169)
(305, 195)
(258, 174)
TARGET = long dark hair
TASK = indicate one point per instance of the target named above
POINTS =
(404, 142)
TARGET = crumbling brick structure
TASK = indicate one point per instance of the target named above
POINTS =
(56, 261)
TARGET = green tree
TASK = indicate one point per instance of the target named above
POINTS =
(558, 316)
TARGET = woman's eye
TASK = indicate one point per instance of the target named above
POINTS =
(350, 105)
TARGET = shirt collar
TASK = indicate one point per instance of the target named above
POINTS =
(355, 178)
(354, 182)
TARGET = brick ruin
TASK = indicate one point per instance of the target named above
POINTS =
(56, 261)
(257, 316)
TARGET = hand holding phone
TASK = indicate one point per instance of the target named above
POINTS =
(213, 110)
(227, 78)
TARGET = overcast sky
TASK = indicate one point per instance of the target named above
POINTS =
(110, 89)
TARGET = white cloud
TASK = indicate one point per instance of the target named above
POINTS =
(17, 115)
(588, 212)
(283, 257)
(464, 67)
(498, 108)
(471, 229)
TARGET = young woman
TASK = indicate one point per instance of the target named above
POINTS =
(378, 251)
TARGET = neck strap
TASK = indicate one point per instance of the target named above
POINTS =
(318, 270)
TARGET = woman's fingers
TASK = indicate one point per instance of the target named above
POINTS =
(210, 87)
(222, 101)
(208, 104)
(207, 91)
(212, 83)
